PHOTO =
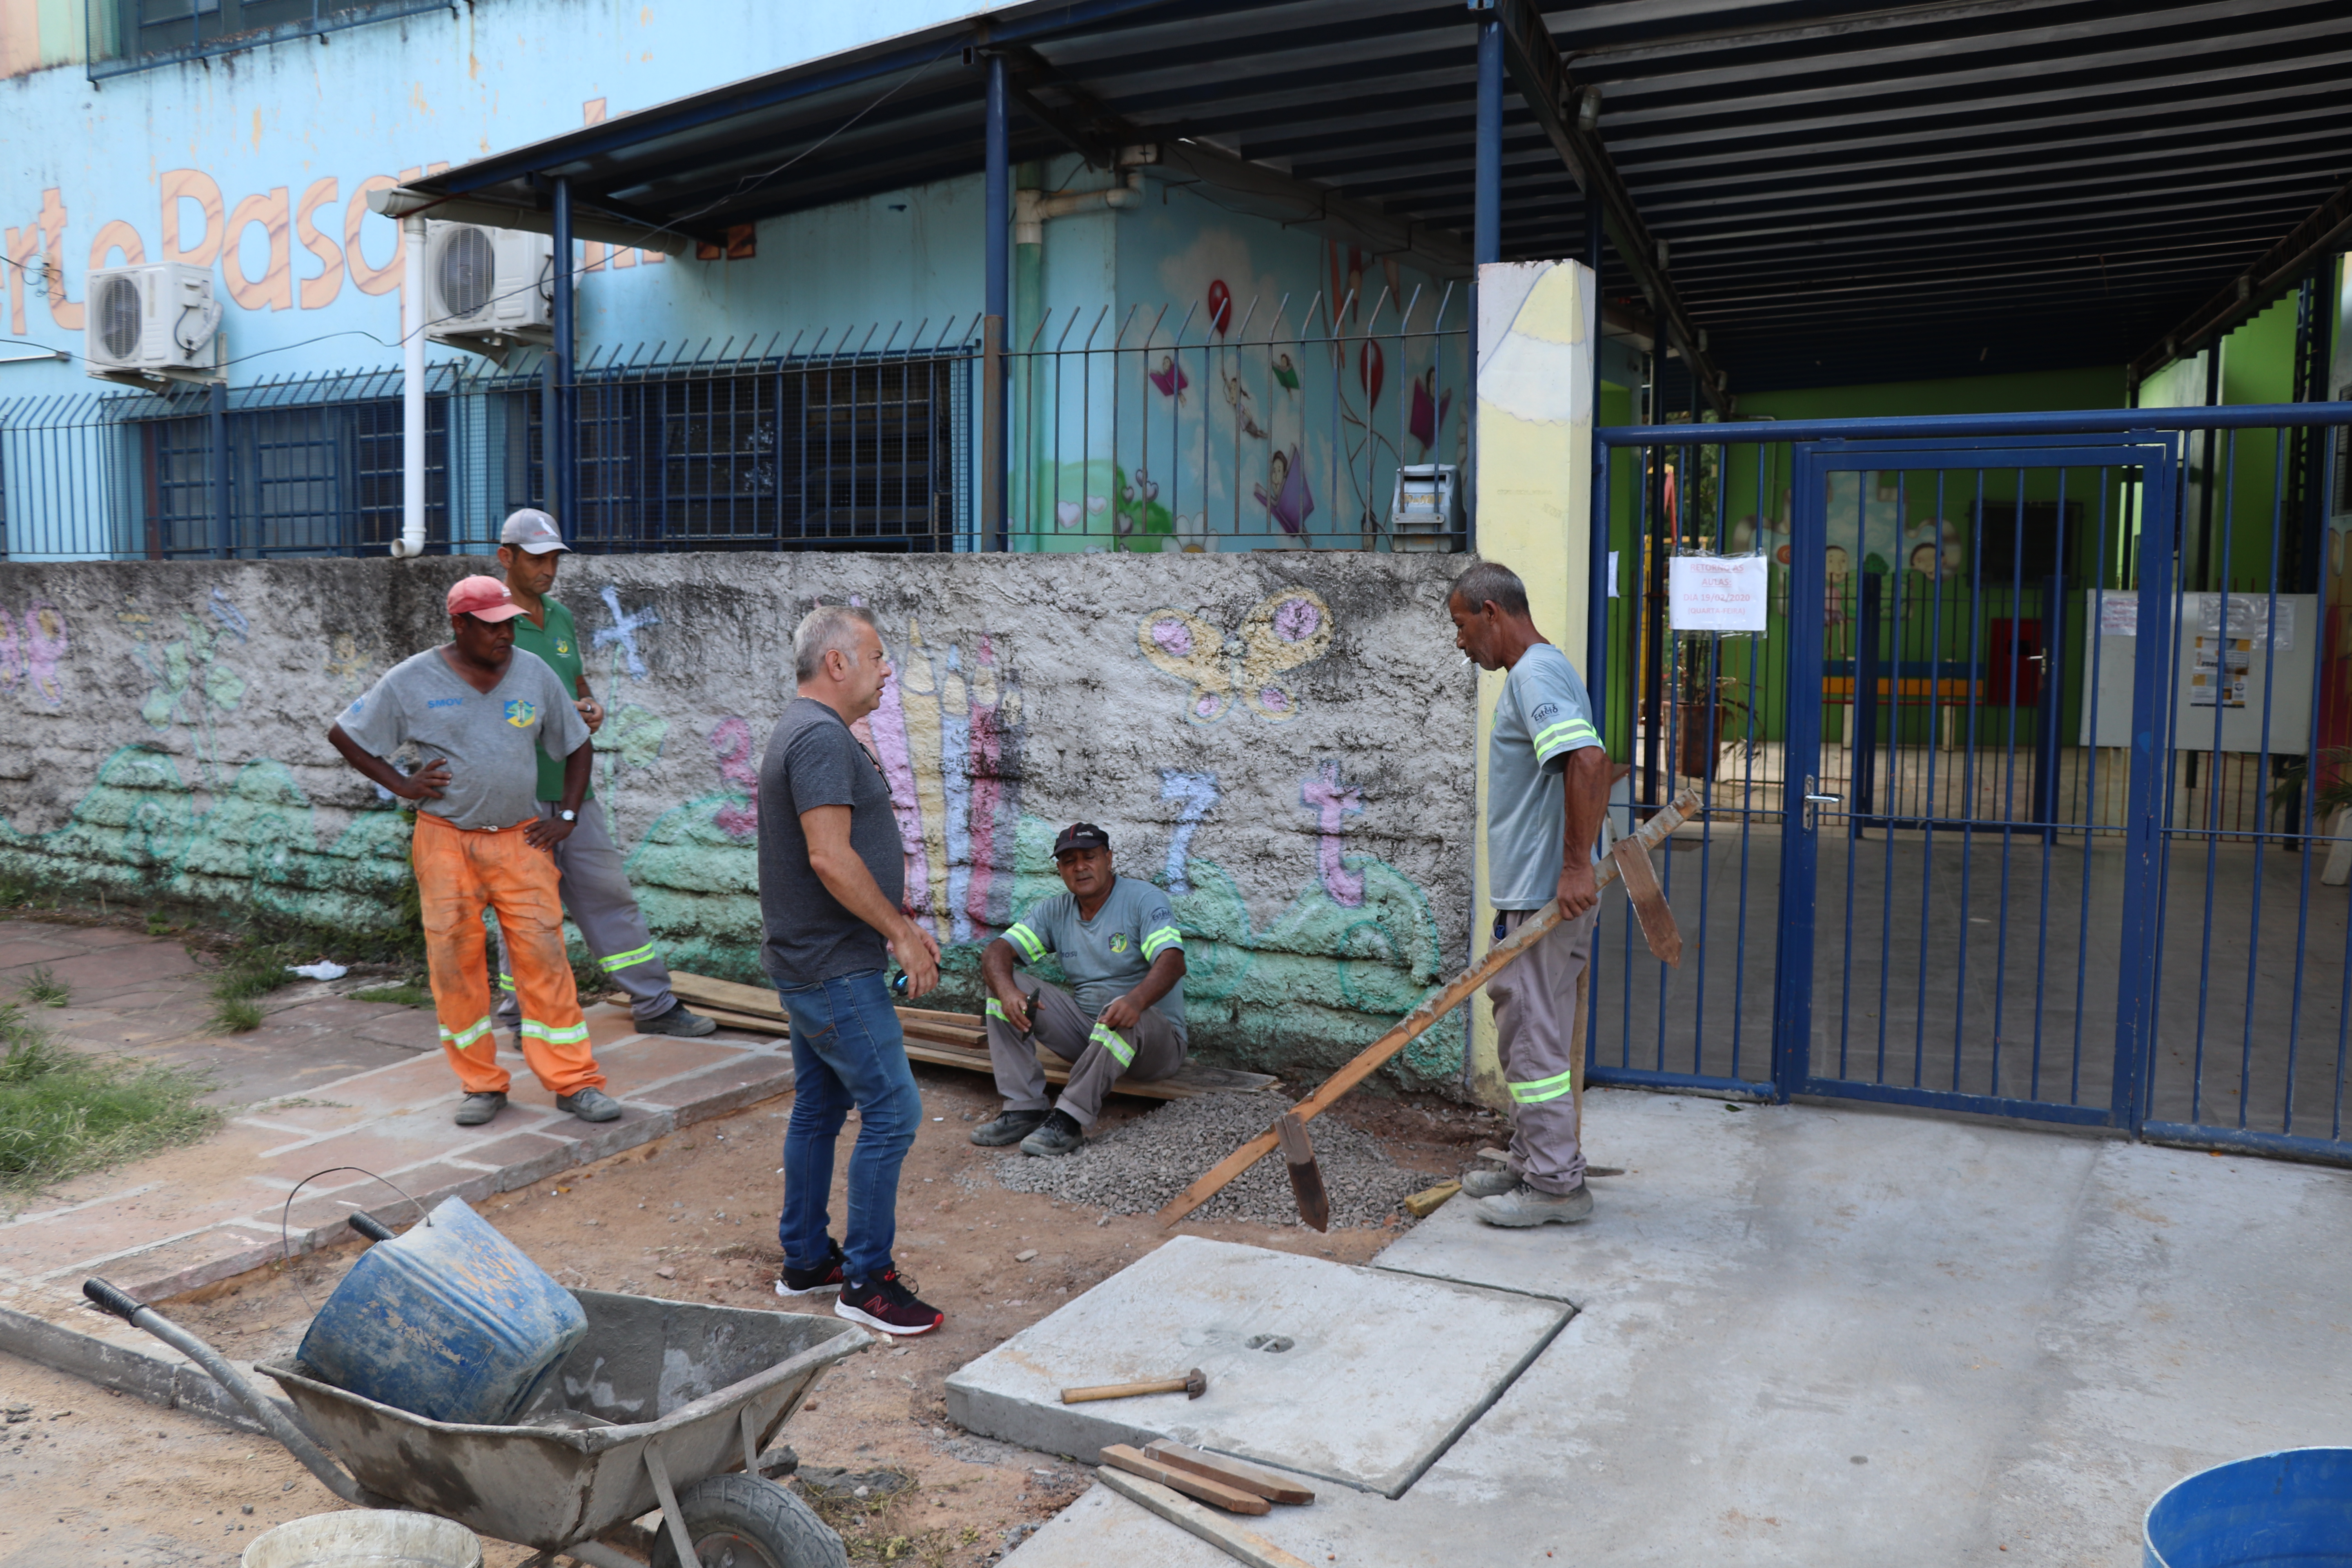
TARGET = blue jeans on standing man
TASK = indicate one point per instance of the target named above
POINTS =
(847, 1049)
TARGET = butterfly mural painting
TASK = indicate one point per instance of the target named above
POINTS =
(1287, 629)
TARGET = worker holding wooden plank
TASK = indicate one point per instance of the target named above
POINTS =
(1547, 793)
(1119, 945)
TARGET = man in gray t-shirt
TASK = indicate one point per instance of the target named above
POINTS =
(1547, 790)
(832, 876)
(478, 711)
(1119, 947)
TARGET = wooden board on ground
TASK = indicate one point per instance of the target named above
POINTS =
(1231, 1499)
(1241, 1546)
(1271, 1485)
(947, 1039)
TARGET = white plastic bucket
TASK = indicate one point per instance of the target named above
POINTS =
(366, 1538)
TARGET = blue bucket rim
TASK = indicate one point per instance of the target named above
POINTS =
(2147, 1543)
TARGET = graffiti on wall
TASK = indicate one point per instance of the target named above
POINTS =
(1283, 630)
(32, 646)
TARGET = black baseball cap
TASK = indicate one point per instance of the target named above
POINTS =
(1080, 836)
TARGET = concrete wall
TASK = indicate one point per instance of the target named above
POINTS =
(1284, 740)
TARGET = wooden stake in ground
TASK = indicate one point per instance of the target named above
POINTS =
(1419, 1021)
(1305, 1175)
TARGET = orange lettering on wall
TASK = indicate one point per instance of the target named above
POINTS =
(366, 279)
(319, 292)
(23, 245)
(196, 185)
(275, 287)
(116, 235)
(66, 312)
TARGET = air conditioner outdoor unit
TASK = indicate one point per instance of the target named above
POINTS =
(154, 320)
(487, 289)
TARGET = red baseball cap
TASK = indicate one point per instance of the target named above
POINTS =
(484, 598)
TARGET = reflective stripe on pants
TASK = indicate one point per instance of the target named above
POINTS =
(596, 895)
(1099, 1056)
(1539, 1032)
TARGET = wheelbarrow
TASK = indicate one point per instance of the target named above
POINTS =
(662, 1404)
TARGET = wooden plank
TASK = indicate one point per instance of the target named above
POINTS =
(1271, 1485)
(734, 1020)
(754, 999)
(1232, 1499)
(1191, 1081)
(1242, 1545)
(1416, 1023)
(1423, 1203)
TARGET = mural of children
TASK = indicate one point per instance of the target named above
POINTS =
(1286, 495)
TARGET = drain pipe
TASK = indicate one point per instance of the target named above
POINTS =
(1031, 209)
(410, 542)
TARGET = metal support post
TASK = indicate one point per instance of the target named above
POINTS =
(1487, 225)
(560, 447)
(412, 389)
(216, 428)
(996, 240)
(1596, 614)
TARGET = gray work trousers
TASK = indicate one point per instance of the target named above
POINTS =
(596, 896)
(1540, 1038)
(1155, 1046)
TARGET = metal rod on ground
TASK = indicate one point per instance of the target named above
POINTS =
(1419, 1021)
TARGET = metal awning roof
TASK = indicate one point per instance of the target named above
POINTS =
(1847, 196)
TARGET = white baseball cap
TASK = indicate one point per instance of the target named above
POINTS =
(533, 531)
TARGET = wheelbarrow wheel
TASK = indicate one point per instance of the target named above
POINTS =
(744, 1521)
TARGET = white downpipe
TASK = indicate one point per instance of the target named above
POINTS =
(412, 390)
(1032, 210)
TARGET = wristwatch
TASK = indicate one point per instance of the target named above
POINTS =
(568, 815)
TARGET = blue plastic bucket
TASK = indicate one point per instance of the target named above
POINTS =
(2288, 1510)
(450, 1321)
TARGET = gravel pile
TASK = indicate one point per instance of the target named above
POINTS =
(1140, 1166)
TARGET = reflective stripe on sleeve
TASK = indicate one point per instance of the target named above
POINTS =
(461, 1038)
(1544, 1089)
(1022, 937)
(538, 1031)
(1567, 735)
(1107, 1038)
(1158, 941)
(623, 960)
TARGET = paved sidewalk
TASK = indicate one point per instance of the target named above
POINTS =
(325, 1085)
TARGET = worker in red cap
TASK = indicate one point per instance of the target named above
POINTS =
(478, 711)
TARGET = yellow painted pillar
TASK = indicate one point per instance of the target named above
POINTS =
(1539, 328)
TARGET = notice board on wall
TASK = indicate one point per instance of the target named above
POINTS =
(2262, 663)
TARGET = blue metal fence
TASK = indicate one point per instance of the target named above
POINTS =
(2016, 805)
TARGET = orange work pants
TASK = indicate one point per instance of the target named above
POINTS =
(458, 873)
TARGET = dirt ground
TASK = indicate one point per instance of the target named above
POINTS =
(690, 1216)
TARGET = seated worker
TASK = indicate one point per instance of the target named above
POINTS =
(1119, 946)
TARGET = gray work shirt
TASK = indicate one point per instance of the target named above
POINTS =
(1541, 717)
(489, 738)
(812, 759)
(1107, 956)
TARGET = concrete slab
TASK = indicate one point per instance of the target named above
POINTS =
(1814, 1335)
(1384, 1374)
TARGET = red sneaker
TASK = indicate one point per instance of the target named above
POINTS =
(888, 1304)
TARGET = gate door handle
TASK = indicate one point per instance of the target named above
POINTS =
(1814, 809)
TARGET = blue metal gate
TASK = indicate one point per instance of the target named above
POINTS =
(2027, 769)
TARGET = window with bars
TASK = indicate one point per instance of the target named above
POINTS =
(305, 479)
(867, 455)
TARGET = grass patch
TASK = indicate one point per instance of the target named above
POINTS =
(62, 1113)
(249, 971)
(401, 993)
(43, 989)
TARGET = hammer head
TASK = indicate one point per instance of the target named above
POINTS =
(1196, 1383)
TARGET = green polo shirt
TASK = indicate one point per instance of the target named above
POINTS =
(557, 643)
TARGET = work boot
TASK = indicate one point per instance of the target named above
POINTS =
(590, 1105)
(1523, 1206)
(679, 1021)
(1488, 1181)
(476, 1109)
(1058, 1134)
(1010, 1128)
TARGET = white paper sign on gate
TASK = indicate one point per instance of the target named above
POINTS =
(1717, 592)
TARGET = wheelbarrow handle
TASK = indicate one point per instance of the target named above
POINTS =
(113, 1298)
